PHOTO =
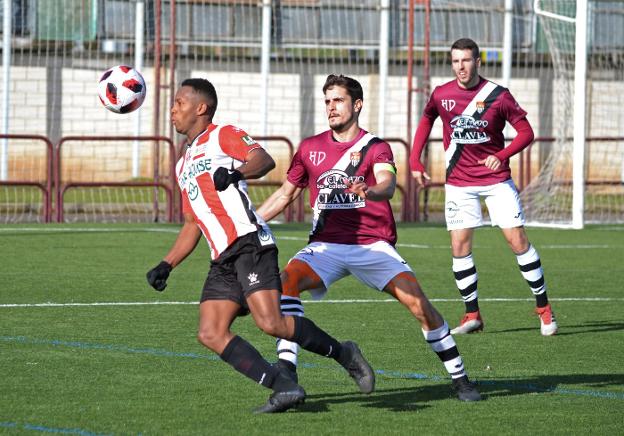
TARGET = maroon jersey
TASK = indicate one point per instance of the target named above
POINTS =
(324, 165)
(473, 121)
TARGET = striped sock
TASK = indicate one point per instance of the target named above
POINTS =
(444, 346)
(287, 350)
(531, 269)
(466, 279)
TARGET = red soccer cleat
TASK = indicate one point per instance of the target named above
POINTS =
(547, 320)
(470, 323)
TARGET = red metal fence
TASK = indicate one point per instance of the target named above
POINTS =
(54, 187)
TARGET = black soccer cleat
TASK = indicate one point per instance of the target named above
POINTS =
(465, 390)
(281, 401)
(357, 367)
(288, 369)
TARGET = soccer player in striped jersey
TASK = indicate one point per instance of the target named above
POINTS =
(244, 272)
(474, 111)
(351, 177)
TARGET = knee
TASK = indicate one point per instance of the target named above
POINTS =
(519, 243)
(274, 326)
(209, 338)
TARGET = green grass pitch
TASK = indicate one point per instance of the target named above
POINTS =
(130, 369)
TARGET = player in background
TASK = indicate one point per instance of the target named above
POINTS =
(244, 272)
(351, 177)
(473, 112)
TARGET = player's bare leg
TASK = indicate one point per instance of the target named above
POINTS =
(215, 319)
(466, 279)
(297, 277)
(405, 288)
(531, 269)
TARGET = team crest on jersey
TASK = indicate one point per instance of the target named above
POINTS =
(317, 157)
(448, 104)
(355, 158)
(248, 140)
(480, 106)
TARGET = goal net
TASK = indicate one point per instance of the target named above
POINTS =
(548, 199)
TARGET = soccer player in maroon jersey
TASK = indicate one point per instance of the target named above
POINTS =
(244, 272)
(351, 177)
(474, 111)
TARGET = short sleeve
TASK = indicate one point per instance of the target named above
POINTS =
(297, 173)
(236, 142)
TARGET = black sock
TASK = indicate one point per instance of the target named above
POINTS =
(313, 339)
(245, 359)
(291, 366)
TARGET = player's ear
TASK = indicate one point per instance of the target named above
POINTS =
(358, 105)
(202, 109)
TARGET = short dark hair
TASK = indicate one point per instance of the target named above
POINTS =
(207, 90)
(466, 44)
(353, 87)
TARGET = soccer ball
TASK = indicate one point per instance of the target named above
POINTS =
(121, 89)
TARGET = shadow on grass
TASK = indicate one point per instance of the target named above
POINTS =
(420, 397)
(590, 327)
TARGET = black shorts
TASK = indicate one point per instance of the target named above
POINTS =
(243, 268)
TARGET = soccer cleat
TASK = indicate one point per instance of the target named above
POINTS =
(286, 368)
(470, 323)
(281, 401)
(548, 325)
(358, 368)
(465, 390)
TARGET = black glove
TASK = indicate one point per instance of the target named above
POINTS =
(223, 178)
(157, 276)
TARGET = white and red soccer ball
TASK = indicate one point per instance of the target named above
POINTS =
(121, 89)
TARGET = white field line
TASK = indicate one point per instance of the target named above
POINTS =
(285, 238)
(358, 301)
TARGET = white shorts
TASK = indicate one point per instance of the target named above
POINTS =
(463, 208)
(373, 264)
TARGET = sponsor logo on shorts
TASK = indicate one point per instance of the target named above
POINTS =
(451, 209)
(265, 237)
(306, 252)
(253, 279)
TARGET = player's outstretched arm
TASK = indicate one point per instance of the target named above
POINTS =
(383, 189)
(278, 201)
(183, 246)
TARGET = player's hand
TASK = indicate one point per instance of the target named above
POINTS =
(223, 178)
(359, 188)
(492, 162)
(157, 276)
(422, 178)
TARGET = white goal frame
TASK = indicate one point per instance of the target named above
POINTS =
(579, 119)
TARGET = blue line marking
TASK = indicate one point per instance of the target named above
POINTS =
(107, 347)
(391, 374)
(45, 429)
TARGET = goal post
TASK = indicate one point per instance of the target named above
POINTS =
(557, 25)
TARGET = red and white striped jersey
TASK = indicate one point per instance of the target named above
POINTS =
(222, 216)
